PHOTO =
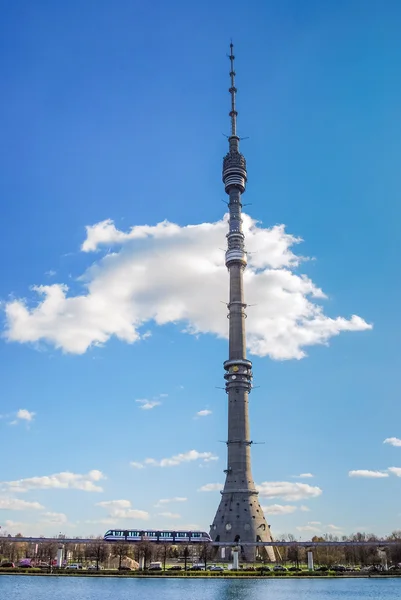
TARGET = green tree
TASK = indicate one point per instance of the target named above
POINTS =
(145, 551)
(206, 553)
(121, 550)
(97, 551)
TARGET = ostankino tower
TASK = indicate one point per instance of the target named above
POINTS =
(239, 517)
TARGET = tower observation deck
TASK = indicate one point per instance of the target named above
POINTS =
(239, 517)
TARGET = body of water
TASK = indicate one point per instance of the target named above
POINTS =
(103, 588)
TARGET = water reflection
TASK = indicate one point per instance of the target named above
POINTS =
(80, 588)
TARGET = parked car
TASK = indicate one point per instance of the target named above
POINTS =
(175, 568)
(338, 568)
(124, 568)
(322, 568)
(262, 569)
(74, 567)
(7, 564)
(294, 569)
(279, 568)
(215, 568)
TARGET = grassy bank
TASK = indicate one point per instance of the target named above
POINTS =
(195, 574)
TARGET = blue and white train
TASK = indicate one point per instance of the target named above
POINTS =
(172, 537)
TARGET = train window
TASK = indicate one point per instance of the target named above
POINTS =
(196, 535)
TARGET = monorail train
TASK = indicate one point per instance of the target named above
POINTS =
(172, 537)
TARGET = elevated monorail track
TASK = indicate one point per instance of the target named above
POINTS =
(300, 544)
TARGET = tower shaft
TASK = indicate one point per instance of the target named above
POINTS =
(239, 516)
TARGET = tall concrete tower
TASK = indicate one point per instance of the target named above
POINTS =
(239, 517)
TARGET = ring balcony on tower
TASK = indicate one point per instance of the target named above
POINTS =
(236, 255)
(238, 374)
(234, 169)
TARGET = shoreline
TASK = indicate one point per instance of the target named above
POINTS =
(238, 575)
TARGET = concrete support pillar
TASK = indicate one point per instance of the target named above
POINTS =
(60, 553)
(383, 558)
(141, 562)
(222, 553)
(235, 559)
(310, 560)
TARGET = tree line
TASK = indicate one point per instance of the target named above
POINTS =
(100, 553)
(344, 555)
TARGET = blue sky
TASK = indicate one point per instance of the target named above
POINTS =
(112, 118)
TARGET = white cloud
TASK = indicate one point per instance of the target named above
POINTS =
(211, 487)
(191, 527)
(368, 474)
(393, 441)
(279, 509)
(65, 480)
(25, 415)
(114, 504)
(136, 465)
(312, 526)
(122, 509)
(48, 525)
(105, 521)
(169, 515)
(129, 513)
(306, 528)
(12, 525)
(148, 404)
(288, 490)
(17, 504)
(54, 517)
(376, 474)
(203, 413)
(178, 459)
(154, 275)
(395, 471)
(303, 476)
(164, 501)
(51, 273)
(317, 527)
(304, 508)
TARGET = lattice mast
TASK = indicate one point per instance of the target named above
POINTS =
(239, 516)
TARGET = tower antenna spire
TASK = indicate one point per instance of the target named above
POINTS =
(233, 90)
